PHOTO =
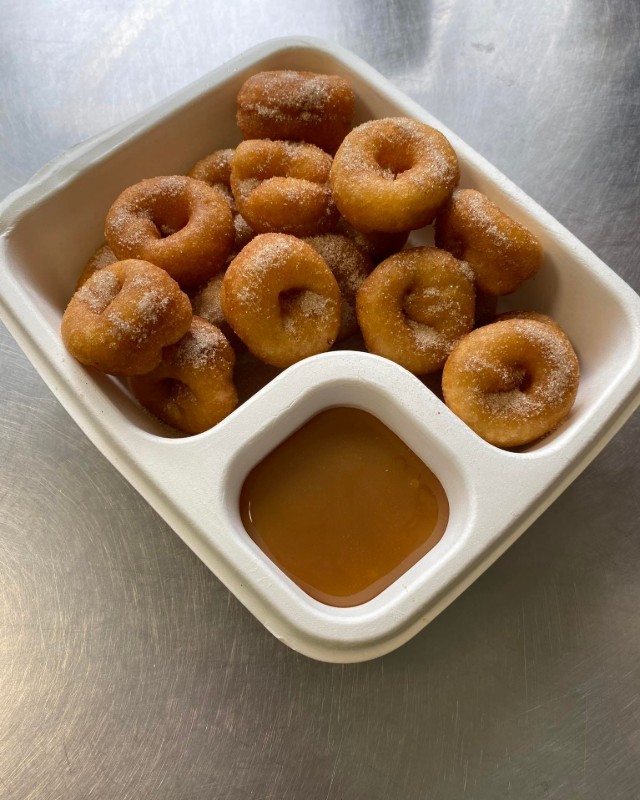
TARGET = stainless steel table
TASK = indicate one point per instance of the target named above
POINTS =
(126, 669)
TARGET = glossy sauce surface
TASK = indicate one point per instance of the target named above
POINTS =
(343, 506)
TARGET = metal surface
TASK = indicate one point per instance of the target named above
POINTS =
(126, 669)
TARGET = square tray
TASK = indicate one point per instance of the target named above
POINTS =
(50, 227)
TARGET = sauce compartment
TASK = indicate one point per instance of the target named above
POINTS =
(337, 388)
(343, 506)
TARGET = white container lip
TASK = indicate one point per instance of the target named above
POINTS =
(194, 482)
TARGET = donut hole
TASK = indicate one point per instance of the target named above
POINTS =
(393, 161)
(301, 307)
(498, 378)
(167, 225)
(289, 300)
(414, 304)
(512, 378)
(294, 303)
(169, 215)
(524, 377)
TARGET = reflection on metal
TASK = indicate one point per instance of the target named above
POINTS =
(127, 670)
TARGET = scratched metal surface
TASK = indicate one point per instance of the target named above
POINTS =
(126, 669)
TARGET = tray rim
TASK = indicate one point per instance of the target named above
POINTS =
(53, 176)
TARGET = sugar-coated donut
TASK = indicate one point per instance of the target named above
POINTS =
(376, 245)
(502, 253)
(415, 306)
(215, 169)
(123, 315)
(283, 187)
(350, 267)
(393, 175)
(512, 381)
(192, 387)
(281, 299)
(103, 257)
(175, 222)
(299, 106)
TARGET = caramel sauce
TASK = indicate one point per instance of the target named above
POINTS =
(343, 507)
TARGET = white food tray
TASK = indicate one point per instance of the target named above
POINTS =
(50, 227)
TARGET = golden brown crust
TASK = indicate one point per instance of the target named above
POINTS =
(175, 222)
(298, 106)
(376, 245)
(415, 306)
(281, 299)
(215, 170)
(512, 381)
(192, 387)
(283, 187)
(502, 253)
(350, 267)
(393, 175)
(123, 315)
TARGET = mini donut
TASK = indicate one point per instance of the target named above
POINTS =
(215, 170)
(513, 381)
(103, 257)
(502, 253)
(299, 106)
(281, 299)
(283, 187)
(350, 267)
(175, 222)
(192, 387)
(123, 315)
(393, 175)
(376, 245)
(415, 306)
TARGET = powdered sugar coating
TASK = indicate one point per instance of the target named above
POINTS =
(281, 299)
(215, 170)
(502, 253)
(192, 387)
(512, 381)
(299, 106)
(202, 346)
(393, 175)
(415, 306)
(122, 317)
(100, 291)
(283, 187)
(178, 223)
(350, 267)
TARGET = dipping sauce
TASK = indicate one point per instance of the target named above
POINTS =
(343, 507)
